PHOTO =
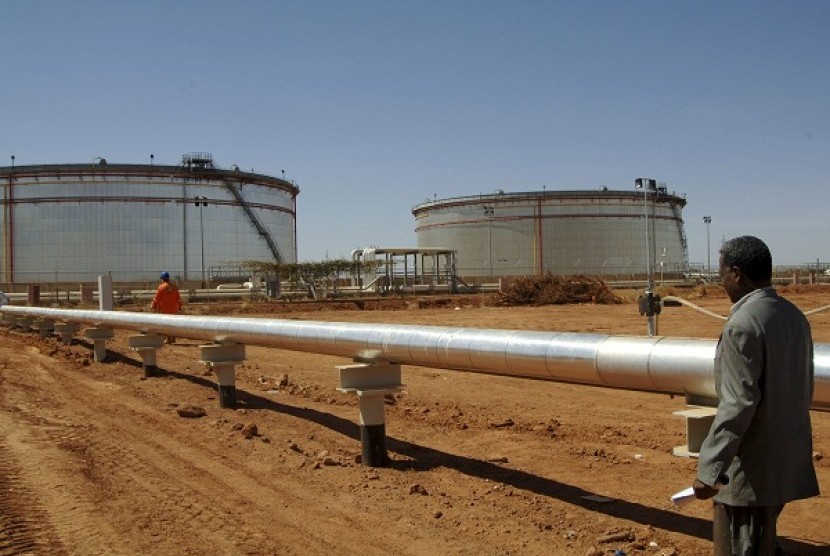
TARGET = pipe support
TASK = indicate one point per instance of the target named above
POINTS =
(147, 346)
(371, 382)
(223, 359)
(66, 331)
(99, 337)
(44, 327)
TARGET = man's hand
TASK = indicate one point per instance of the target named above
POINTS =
(703, 491)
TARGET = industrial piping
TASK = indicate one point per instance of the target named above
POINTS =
(681, 366)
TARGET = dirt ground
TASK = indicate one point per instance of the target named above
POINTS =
(96, 460)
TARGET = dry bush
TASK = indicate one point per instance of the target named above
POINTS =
(550, 289)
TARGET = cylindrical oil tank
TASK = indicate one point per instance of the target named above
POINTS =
(73, 222)
(602, 232)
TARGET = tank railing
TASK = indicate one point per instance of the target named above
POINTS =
(552, 195)
(132, 169)
(682, 366)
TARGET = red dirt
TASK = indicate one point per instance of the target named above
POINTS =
(95, 459)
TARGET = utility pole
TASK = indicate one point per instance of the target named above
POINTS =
(708, 220)
(202, 202)
(489, 212)
(649, 303)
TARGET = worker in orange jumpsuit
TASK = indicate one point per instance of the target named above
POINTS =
(167, 300)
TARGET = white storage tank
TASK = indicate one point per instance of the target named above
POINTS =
(599, 232)
(73, 222)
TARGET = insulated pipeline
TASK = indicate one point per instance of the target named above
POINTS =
(653, 364)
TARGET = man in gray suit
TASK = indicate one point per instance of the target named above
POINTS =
(758, 454)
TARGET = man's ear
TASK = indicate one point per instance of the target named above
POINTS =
(742, 280)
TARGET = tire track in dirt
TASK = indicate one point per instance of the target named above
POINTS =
(155, 480)
(49, 475)
(23, 528)
(24, 522)
(118, 478)
(198, 490)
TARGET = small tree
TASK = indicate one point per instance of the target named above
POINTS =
(319, 276)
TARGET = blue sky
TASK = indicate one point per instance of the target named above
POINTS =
(375, 106)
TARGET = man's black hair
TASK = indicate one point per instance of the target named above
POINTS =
(751, 255)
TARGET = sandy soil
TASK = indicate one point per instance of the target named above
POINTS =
(95, 459)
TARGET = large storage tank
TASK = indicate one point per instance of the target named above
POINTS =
(73, 222)
(564, 232)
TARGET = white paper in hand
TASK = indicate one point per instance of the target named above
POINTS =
(683, 497)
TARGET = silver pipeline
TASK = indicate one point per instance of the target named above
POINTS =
(682, 366)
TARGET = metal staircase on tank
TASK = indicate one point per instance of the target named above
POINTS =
(265, 234)
(204, 161)
(662, 189)
(683, 242)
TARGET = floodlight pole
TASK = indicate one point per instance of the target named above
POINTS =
(649, 275)
(649, 303)
(202, 202)
(489, 212)
(708, 220)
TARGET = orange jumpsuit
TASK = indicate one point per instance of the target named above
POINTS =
(167, 299)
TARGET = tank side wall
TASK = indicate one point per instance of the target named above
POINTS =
(580, 234)
(74, 227)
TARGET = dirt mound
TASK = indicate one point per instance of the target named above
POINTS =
(550, 289)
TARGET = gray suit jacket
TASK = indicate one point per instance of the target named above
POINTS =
(761, 437)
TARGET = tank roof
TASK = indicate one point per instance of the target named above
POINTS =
(101, 167)
(502, 196)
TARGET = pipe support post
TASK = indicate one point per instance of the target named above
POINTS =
(99, 337)
(66, 331)
(223, 359)
(146, 345)
(372, 382)
(44, 327)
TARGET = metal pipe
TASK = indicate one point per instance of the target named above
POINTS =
(652, 364)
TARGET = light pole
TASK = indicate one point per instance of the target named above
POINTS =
(202, 202)
(489, 212)
(708, 220)
(649, 303)
(647, 185)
